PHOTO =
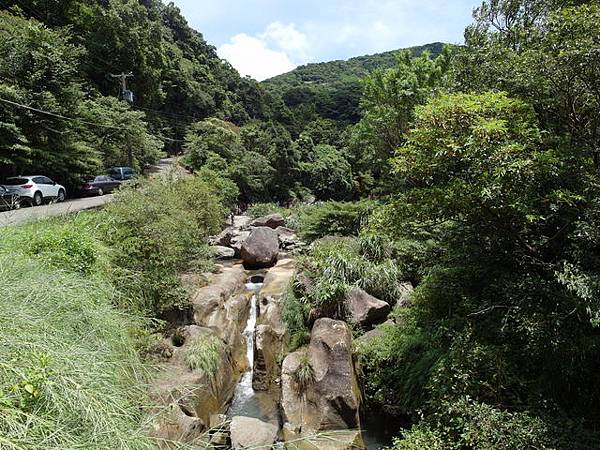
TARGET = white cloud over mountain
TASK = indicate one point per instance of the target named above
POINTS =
(278, 49)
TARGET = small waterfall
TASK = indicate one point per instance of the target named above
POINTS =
(244, 399)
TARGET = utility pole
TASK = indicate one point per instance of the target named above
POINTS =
(126, 94)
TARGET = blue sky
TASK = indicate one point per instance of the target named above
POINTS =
(263, 38)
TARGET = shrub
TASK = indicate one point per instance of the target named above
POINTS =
(470, 425)
(294, 314)
(71, 245)
(334, 219)
(157, 230)
(334, 263)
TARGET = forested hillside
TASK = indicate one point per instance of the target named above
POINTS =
(327, 95)
(58, 57)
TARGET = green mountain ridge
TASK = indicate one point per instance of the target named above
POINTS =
(347, 70)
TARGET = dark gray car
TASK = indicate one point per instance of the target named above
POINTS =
(9, 200)
(100, 185)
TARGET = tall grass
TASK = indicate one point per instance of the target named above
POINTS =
(69, 375)
(204, 354)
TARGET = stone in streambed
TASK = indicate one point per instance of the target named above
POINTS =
(260, 250)
(223, 253)
(271, 221)
(247, 432)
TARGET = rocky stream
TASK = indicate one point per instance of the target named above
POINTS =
(243, 390)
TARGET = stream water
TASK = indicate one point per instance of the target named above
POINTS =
(244, 399)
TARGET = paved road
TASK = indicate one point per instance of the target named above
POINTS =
(56, 209)
(164, 166)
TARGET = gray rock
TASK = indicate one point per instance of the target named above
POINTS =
(332, 400)
(221, 252)
(247, 432)
(272, 221)
(260, 249)
(365, 309)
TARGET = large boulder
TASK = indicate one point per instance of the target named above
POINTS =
(260, 249)
(223, 305)
(247, 432)
(186, 399)
(271, 221)
(332, 400)
(366, 310)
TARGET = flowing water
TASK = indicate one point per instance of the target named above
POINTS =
(244, 400)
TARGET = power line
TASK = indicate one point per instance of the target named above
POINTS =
(72, 119)
(59, 116)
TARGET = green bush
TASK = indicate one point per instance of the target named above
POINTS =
(334, 263)
(158, 229)
(469, 425)
(71, 245)
(294, 314)
(69, 373)
(334, 219)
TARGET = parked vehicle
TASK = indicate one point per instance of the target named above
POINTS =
(9, 200)
(121, 173)
(100, 185)
(36, 189)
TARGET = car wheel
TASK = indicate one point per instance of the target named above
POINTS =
(61, 196)
(38, 200)
(100, 192)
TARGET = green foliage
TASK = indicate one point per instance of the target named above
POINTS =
(294, 313)
(332, 268)
(211, 136)
(327, 173)
(493, 317)
(334, 219)
(331, 91)
(72, 246)
(203, 353)
(479, 426)
(389, 100)
(68, 362)
(157, 230)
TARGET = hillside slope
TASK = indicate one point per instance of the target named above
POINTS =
(347, 70)
(331, 91)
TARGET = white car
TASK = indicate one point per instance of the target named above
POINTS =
(36, 189)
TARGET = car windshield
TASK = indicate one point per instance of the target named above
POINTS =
(16, 181)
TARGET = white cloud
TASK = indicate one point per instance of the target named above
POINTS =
(277, 50)
(251, 56)
(287, 38)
